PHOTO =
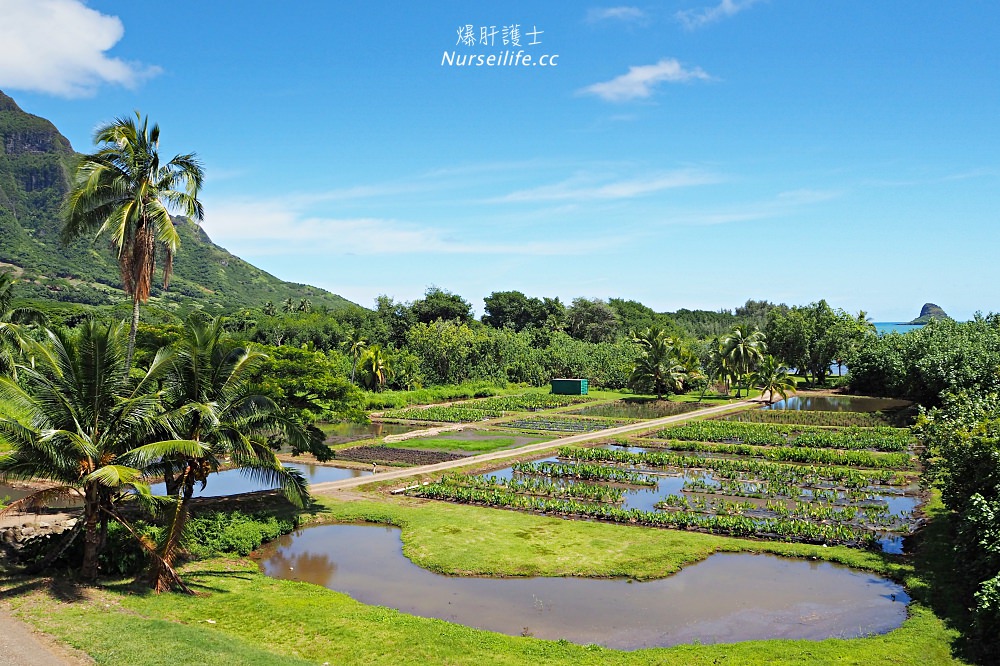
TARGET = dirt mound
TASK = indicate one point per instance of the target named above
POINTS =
(389, 456)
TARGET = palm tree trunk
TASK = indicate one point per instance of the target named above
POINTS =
(91, 536)
(131, 332)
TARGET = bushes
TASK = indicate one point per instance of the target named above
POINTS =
(235, 532)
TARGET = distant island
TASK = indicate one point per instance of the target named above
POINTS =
(928, 313)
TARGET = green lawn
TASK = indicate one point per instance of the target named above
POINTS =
(242, 617)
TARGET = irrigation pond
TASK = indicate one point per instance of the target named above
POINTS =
(725, 598)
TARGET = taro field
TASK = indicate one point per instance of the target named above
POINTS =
(484, 409)
(852, 485)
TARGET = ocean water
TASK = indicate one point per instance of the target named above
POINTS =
(886, 327)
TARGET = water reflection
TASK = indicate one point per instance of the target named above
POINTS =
(726, 598)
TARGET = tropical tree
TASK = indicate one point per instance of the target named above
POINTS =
(78, 421)
(773, 377)
(742, 347)
(125, 191)
(356, 345)
(663, 366)
(14, 339)
(210, 399)
(375, 370)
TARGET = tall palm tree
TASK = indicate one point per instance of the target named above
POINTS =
(124, 190)
(356, 345)
(773, 376)
(743, 347)
(77, 420)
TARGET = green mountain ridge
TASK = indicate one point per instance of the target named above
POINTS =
(36, 164)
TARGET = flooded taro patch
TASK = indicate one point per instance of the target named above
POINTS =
(853, 486)
(638, 409)
(725, 598)
(837, 403)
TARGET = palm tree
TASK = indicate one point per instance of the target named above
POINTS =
(269, 309)
(288, 305)
(662, 366)
(123, 190)
(773, 376)
(375, 370)
(210, 399)
(77, 420)
(356, 345)
(13, 320)
(742, 347)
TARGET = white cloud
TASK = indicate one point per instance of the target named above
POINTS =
(640, 80)
(274, 227)
(696, 18)
(615, 13)
(782, 205)
(587, 189)
(58, 47)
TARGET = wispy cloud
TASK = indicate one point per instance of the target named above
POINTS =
(59, 47)
(584, 188)
(278, 227)
(639, 81)
(782, 204)
(696, 18)
(627, 14)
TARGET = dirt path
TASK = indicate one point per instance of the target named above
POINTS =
(20, 645)
(333, 488)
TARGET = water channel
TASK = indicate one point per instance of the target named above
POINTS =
(725, 598)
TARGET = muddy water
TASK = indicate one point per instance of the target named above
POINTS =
(233, 481)
(726, 598)
(836, 403)
(342, 433)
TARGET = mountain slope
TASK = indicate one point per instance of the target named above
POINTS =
(36, 164)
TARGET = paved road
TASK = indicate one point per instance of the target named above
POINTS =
(332, 487)
(20, 645)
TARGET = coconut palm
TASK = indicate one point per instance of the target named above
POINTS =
(662, 365)
(772, 376)
(210, 399)
(742, 347)
(356, 345)
(78, 421)
(125, 191)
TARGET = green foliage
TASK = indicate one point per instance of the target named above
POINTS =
(514, 310)
(962, 453)
(811, 338)
(439, 304)
(233, 532)
(942, 357)
(310, 383)
(592, 320)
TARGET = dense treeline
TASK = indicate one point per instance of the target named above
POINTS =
(954, 368)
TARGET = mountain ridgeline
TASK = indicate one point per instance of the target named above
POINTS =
(36, 166)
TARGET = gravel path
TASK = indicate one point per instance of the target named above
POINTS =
(20, 645)
(333, 487)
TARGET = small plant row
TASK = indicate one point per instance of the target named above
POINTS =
(766, 490)
(444, 414)
(563, 425)
(849, 458)
(811, 418)
(526, 402)
(585, 472)
(767, 434)
(788, 529)
(873, 517)
(765, 470)
(539, 487)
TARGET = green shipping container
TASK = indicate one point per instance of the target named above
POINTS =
(569, 386)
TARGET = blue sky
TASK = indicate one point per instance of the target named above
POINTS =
(692, 153)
